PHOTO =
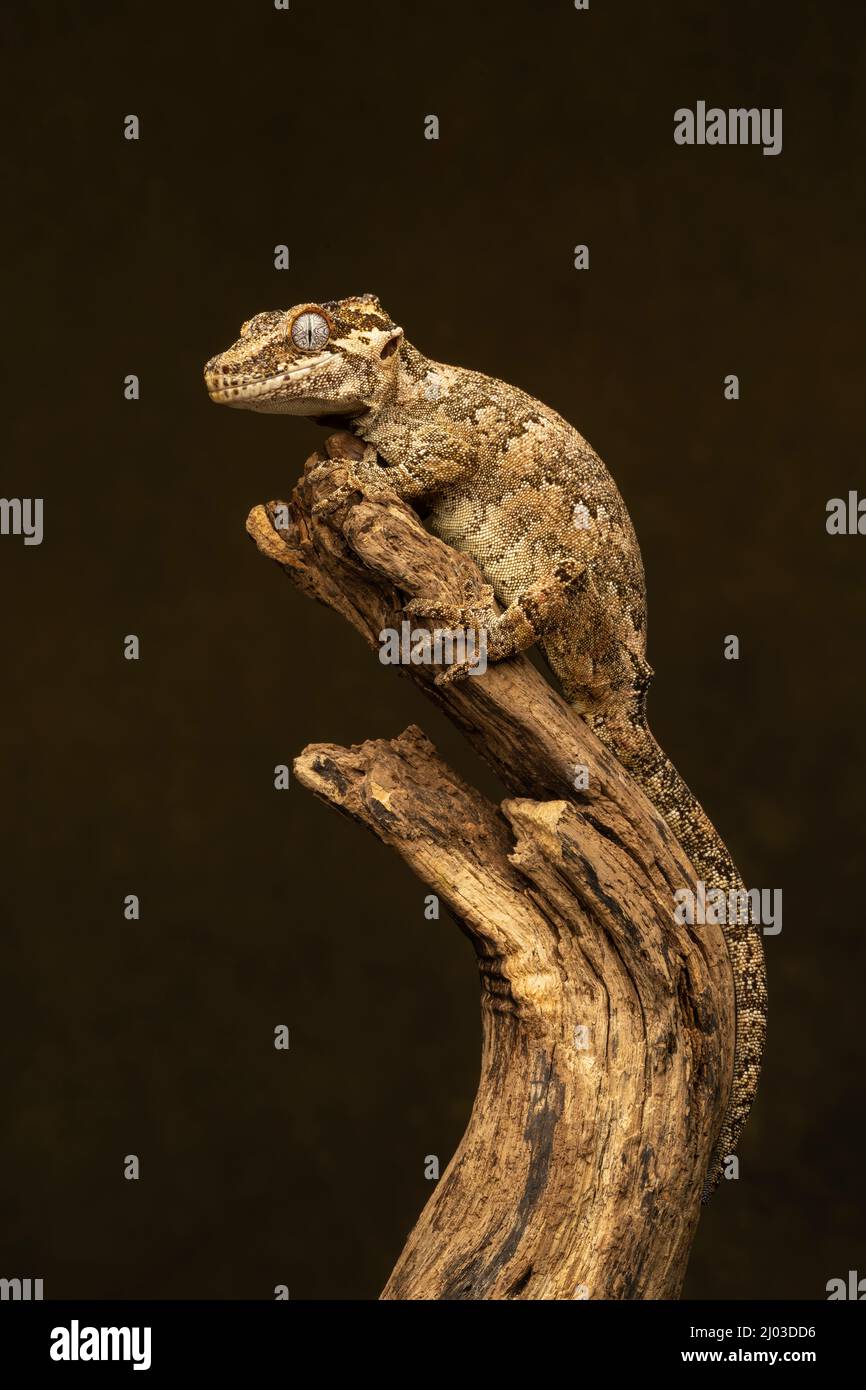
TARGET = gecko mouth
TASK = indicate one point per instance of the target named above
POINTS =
(225, 388)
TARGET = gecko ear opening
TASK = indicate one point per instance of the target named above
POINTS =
(392, 343)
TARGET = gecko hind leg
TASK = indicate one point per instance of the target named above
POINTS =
(538, 609)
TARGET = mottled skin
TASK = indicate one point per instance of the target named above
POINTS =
(508, 481)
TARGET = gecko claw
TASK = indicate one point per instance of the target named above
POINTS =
(458, 671)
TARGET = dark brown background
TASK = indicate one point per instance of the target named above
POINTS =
(259, 127)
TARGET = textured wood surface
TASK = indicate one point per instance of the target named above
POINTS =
(608, 1028)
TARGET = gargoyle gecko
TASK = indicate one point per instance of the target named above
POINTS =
(510, 483)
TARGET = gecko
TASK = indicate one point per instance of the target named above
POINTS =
(509, 482)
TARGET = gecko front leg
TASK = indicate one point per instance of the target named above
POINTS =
(435, 461)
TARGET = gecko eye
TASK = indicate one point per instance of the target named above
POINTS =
(310, 331)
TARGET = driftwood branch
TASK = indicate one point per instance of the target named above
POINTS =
(607, 1027)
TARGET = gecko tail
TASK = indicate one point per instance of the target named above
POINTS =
(630, 739)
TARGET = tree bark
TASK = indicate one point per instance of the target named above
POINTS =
(608, 1027)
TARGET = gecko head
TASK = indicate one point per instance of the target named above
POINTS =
(334, 358)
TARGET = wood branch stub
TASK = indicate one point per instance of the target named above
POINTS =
(607, 1027)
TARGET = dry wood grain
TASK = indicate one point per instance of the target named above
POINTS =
(608, 1027)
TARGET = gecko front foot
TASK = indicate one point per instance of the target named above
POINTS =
(345, 474)
(339, 494)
